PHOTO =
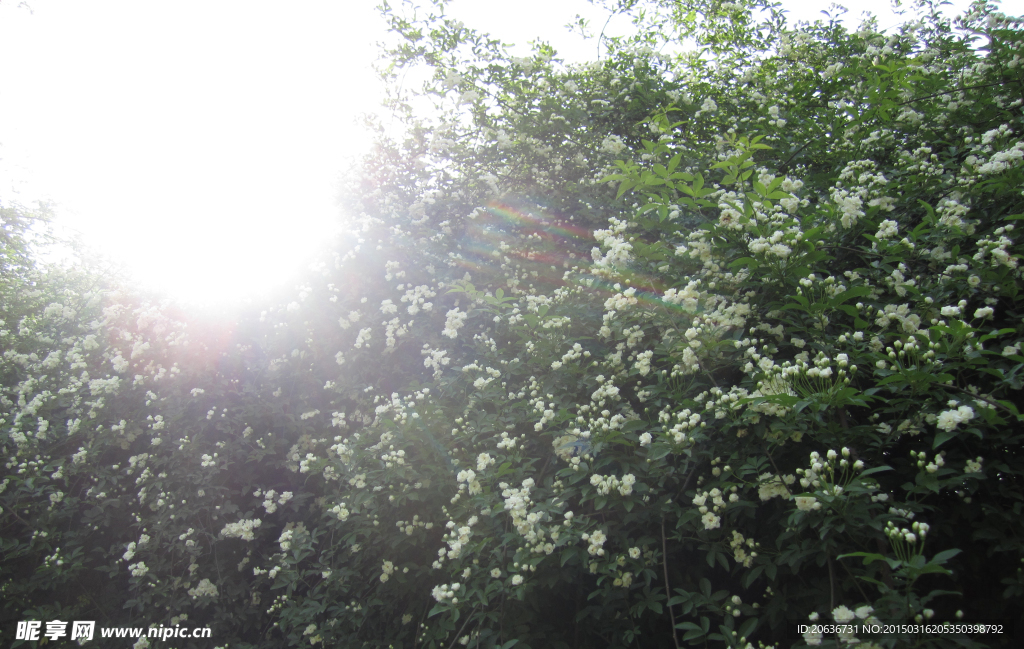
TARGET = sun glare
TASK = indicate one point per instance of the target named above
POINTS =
(200, 144)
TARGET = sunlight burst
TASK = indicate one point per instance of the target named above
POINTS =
(200, 146)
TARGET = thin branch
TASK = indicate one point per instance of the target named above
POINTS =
(831, 585)
(855, 582)
(416, 631)
(950, 92)
(775, 466)
(668, 590)
(981, 398)
(864, 251)
(456, 640)
(686, 482)
(601, 36)
(19, 518)
(785, 165)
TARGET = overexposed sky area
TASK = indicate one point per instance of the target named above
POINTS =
(200, 142)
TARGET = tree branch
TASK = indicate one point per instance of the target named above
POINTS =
(981, 398)
(831, 584)
(461, 629)
(668, 590)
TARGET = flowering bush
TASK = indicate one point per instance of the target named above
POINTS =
(663, 350)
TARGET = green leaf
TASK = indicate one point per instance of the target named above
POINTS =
(693, 634)
(752, 575)
(748, 627)
(876, 469)
(567, 554)
(945, 555)
(869, 557)
(942, 437)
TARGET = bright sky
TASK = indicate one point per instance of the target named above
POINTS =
(200, 142)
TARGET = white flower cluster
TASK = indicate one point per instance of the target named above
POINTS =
(363, 338)
(815, 475)
(909, 322)
(948, 420)
(923, 463)
(687, 297)
(529, 524)
(613, 144)
(393, 457)
(918, 531)
(844, 616)
(467, 478)
(573, 354)
(138, 569)
(269, 499)
(998, 247)
(973, 466)
(445, 592)
(507, 442)
(408, 527)
(342, 450)
(482, 382)
(596, 541)
(606, 391)
(435, 359)
(619, 250)
(605, 484)
(1003, 160)
(709, 518)
(887, 229)
(391, 270)
(243, 529)
(807, 503)
(417, 299)
(772, 485)
(340, 512)
(456, 540)
(387, 569)
(346, 321)
(739, 552)
(619, 302)
(285, 540)
(394, 329)
(850, 207)
(455, 320)
(685, 421)
(643, 362)
(204, 588)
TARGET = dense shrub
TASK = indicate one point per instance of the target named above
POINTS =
(665, 349)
